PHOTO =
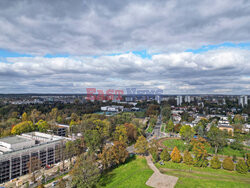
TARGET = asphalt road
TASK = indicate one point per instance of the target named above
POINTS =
(157, 128)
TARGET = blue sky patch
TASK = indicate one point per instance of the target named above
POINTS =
(7, 53)
(206, 48)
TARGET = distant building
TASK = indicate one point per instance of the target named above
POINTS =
(243, 101)
(158, 99)
(17, 153)
(224, 124)
(112, 108)
(62, 129)
(187, 99)
(179, 100)
(246, 128)
(228, 128)
(129, 99)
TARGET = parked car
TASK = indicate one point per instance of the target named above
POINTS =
(54, 183)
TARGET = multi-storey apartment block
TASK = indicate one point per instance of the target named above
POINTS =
(25, 153)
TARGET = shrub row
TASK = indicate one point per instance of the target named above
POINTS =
(242, 166)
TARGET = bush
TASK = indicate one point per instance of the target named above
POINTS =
(176, 156)
(241, 167)
(188, 159)
(228, 164)
(248, 160)
(165, 155)
(215, 163)
(154, 156)
(234, 158)
(200, 162)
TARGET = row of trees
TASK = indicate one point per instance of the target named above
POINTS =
(216, 137)
(242, 166)
(198, 148)
(106, 140)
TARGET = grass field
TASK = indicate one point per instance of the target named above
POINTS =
(190, 176)
(170, 144)
(150, 129)
(227, 151)
(134, 173)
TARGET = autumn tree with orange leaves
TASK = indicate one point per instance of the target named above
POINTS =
(200, 152)
(176, 156)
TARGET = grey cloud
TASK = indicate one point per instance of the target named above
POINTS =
(85, 27)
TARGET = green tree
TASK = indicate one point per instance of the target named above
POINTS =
(35, 114)
(241, 167)
(153, 149)
(200, 128)
(200, 153)
(166, 112)
(177, 128)
(53, 114)
(236, 144)
(188, 159)
(42, 125)
(74, 117)
(141, 145)
(187, 133)
(93, 139)
(238, 119)
(216, 138)
(131, 132)
(228, 164)
(23, 127)
(24, 117)
(119, 152)
(170, 126)
(106, 157)
(70, 150)
(85, 172)
(215, 162)
(120, 134)
(176, 156)
(165, 156)
(59, 119)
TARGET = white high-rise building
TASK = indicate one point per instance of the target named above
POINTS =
(187, 99)
(158, 99)
(179, 100)
(240, 102)
(243, 101)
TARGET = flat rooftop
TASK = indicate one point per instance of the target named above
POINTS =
(25, 142)
(14, 140)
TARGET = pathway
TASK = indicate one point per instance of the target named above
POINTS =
(159, 180)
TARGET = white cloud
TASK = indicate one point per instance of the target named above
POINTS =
(185, 72)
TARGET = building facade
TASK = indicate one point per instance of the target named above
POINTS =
(20, 155)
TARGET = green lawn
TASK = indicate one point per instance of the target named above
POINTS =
(190, 176)
(229, 151)
(163, 127)
(132, 174)
(150, 129)
(170, 144)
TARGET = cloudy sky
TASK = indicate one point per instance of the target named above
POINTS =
(180, 46)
